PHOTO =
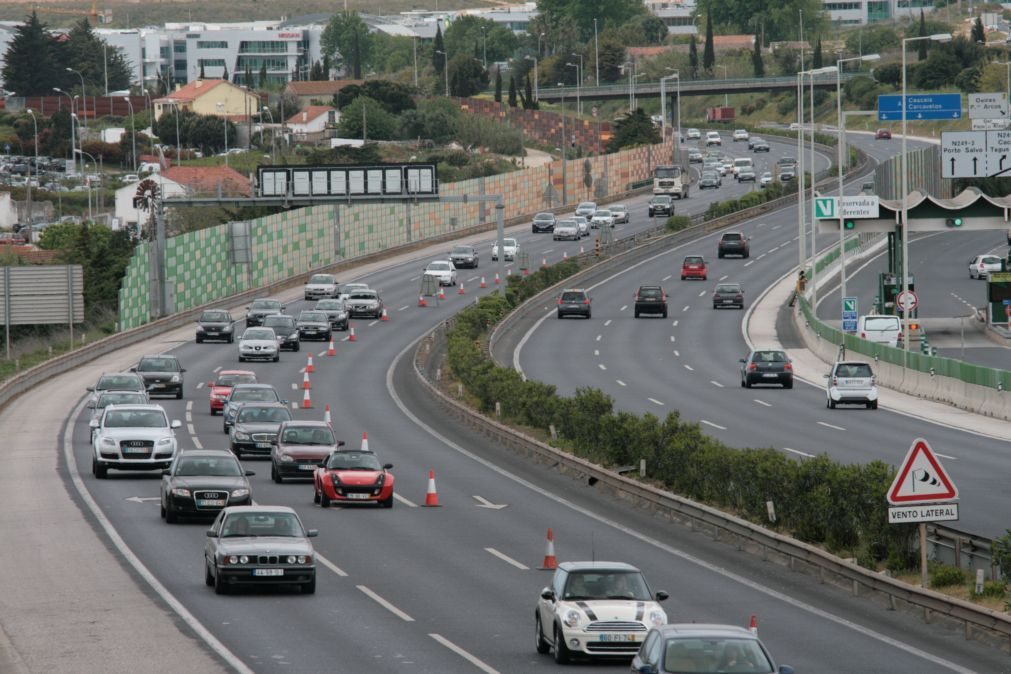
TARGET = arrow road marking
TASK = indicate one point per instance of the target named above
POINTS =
(507, 559)
(485, 503)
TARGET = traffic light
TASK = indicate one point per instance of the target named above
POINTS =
(849, 224)
(953, 222)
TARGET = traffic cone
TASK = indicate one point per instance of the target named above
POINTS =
(330, 351)
(550, 561)
(431, 496)
(544, 263)
(306, 401)
(385, 317)
(310, 367)
(483, 284)
(581, 250)
(351, 337)
(460, 291)
(305, 381)
(421, 301)
(326, 414)
(497, 279)
(565, 255)
(509, 271)
(365, 441)
(754, 625)
(442, 293)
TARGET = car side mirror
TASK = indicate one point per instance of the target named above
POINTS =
(322, 464)
(182, 369)
(785, 669)
(93, 423)
(662, 596)
(91, 405)
(743, 360)
(176, 423)
(284, 402)
(166, 472)
(548, 594)
(133, 369)
(387, 466)
(340, 443)
(250, 473)
(312, 533)
(210, 533)
(90, 388)
(247, 308)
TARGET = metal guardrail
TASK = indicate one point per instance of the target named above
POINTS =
(690, 87)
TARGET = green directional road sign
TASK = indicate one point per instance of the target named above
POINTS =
(849, 305)
(824, 207)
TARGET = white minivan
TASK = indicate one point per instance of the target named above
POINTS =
(881, 329)
(742, 162)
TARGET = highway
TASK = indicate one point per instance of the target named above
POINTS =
(453, 589)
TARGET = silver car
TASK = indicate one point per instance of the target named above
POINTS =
(259, 343)
(133, 437)
(587, 208)
(567, 228)
(365, 303)
(335, 312)
(321, 285)
(602, 218)
(851, 383)
(620, 213)
(981, 266)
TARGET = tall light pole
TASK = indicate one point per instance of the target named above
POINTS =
(445, 68)
(676, 75)
(35, 126)
(86, 181)
(537, 94)
(105, 64)
(80, 136)
(936, 37)
(179, 147)
(579, 72)
(596, 50)
(73, 142)
(220, 105)
(562, 88)
(84, 95)
(539, 36)
(814, 229)
(629, 64)
(273, 152)
(841, 161)
(415, 60)
(484, 47)
(726, 98)
(133, 132)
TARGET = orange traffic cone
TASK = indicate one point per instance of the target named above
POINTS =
(306, 401)
(431, 496)
(460, 291)
(497, 279)
(330, 351)
(442, 293)
(544, 263)
(509, 271)
(421, 301)
(310, 367)
(550, 561)
(385, 316)
(326, 414)
(351, 337)
(365, 441)
(754, 625)
(305, 381)
(483, 284)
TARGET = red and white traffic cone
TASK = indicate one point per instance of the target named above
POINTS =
(509, 271)
(305, 381)
(351, 337)
(330, 350)
(421, 301)
(365, 441)
(310, 367)
(326, 414)
(431, 496)
(498, 280)
(306, 401)
(565, 255)
(384, 317)
(550, 561)
(544, 263)
(581, 250)
(442, 293)
(754, 625)
(483, 284)
(460, 291)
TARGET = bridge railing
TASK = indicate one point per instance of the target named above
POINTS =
(688, 86)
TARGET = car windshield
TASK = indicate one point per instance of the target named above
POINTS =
(124, 382)
(330, 305)
(135, 419)
(583, 585)
(587, 204)
(307, 435)
(263, 415)
(353, 461)
(708, 175)
(882, 323)
(650, 292)
(544, 216)
(315, 316)
(661, 199)
(694, 260)
(769, 357)
(363, 295)
(125, 398)
(266, 305)
(618, 208)
(853, 370)
(728, 289)
(990, 260)
(463, 250)
(258, 334)
(241, 525)
(572, 297)
(567, 222)
(278, 322)
(732, 237)
(715, 654)
(438, 266)
(215, 317)
(323, 279)
(509, 243)
(224, 466)
(603, 213)
(158, 365)
(254, 395)
(233, 379)
(349, 287)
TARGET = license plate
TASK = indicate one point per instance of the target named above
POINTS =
(358, 497)
(211, 503)
(268, 572)
(212, 332)
(728, 301)
(307, 466)
(617, 637)
(771, 376)
(263, 445)
(157, 385)
(136, 450)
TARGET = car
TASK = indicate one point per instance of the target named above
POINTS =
(163, 375)
(314, 325)
(650, 300)
(132, 437)
(880, 329)
(543, 222)
(728, 295)
(335, 312)
(766, 366)
(131, 178)
(761, 146)
(693, 134)
(259, 545)
(319, 286)
(733, 243)
(851, 382)
(694, 157)
(587, 208)
(348, 288)
(713, 138)
(574, 302)
(442, 271)
(741, 163)
(260, 309)
(117, 381)
(285, 327)
(586, 601)
(787, 173)
(107, 398)
(702, 647)
(259, 344)
(661, 204)
(754, 139)
(746, 174)
(254, 430)
(353, 476)
(786, 160)
(602, 218)
(712, 165)
(981, 266)
(509, 249)
(583, 222)
(741, 134)
(765, 180)
(246, 393)
(619, 213)
(464, 256)
(694, 266)
(300, 448)
(883, 134)
(201, 483)
(222, 386)
(368, 303)
(566, 228)
(710, 179)
(867, 187)
(727, 165)
(215, 324)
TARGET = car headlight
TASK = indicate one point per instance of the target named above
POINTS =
(233, 559)
(175, 379)
(166, 441)
(658, 618)
(181, 492)
(572, 618)
(239, 435)
(335, 479)
(239, 493)
(285, 457)
(292, 559)
(227, 328)
(109, 442)
(243, 559)
(217, 396)
(304, 559)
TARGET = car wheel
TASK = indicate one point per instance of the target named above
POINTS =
(387, 503)
(664, 313)
(241, 359)
(162, 510)
(224, 427)
(562, 656)
(704, 278)
(746, 256)
(231, 339)
(274, 475)
(746, 383)
(719, 255)
(715, 306)
(98, 470)
(277, 357)
(171, 516)
(315, 496)
(310, 587)
(219, 585)
(298, 347)
(788, 384)
(200, 340)
(179, 394)
(324, 500)
(559, 314)
(637, 314)
(540, 644)
(236, 452)
(682, 278)
(873, 405)
(831, 404)
(588, 315)
(208, 576)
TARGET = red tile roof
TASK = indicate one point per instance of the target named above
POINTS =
(733, 41)
(648, 52)
(193, 90)
(309, 114)
(319, 88)
(208, 179)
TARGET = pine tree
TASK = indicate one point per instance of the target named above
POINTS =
(247, 78)
(756, 58)
(512, 91)
(693, 59)
(224, 74)
(326, 67)
(978, 31)
(816, 61)
(709, 53)
(439, 45)
(202, 75)
(498, 85)
(34, 63)
(263, 75)
(356, 55)
(529, 102)
(921, 45)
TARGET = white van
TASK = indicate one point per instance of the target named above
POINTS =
(742, 162)
(879, 329)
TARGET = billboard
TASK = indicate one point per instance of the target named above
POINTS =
(391, 181)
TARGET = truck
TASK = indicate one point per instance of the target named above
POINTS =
(720, 114)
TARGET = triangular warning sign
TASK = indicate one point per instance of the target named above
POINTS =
(921, 478)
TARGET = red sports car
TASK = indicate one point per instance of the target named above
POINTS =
(353, 476)
(694, 266)
(222, 386)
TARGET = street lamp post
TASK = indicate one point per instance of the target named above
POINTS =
(73, 142)
(528, 57)
(80, 136)
(579, 72)
(596, 51)
(579, 83)
(220, 105)
(179, 147)
(814, 229)
(105, 66)
(445, 68)
(415, 60)
(726, 98)
(35, 126)
(86, 181)
(84, 95)
(273, 152)
(484, 47)
(629, 64)
(565, 184)
(676, 75)
(539, 36)
(133, 132)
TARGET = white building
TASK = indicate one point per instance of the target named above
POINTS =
(311, 123)
(862, 12)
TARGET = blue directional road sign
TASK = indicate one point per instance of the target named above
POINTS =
(920, 106)
(850, 312)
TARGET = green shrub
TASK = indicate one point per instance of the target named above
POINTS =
(676, 223)
(942, 575)
(994, 588)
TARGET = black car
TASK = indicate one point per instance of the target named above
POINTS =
(543, 222)
(650, 300)
(710, 179)
(335, 313)
(202, 482)
(255, 428)
(767, 367)
(574, 302)
(215, 324)
(162, 375)
(314, 325)
(733, 243)
(728, 296)
(260, 309)
(760, 147)
(464, 256)
(246, 393)
(661, 204)
(288, 335)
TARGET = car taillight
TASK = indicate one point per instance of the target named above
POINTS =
(835, 381)
(753, 366)
(559, 300)
(788, 367)
(586, 301)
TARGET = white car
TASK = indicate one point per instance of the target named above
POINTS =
(567, 228)
(765, 180)
(602, 218)
(741, 134)
(509, 249)
(728, 165)
(981, 266)
(348, 288)
(851, 383)
(694, 134)
(587, 208)
(442, 271)
(132, 437)
(713, 138)
(596, 609)
(584, 224)
(321, 285)
(259, 343)
(620, 213)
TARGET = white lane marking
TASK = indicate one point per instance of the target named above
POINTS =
(301, 370)
(294, 386)
(945, 456)
(709, 423)
(385, 604)
(724, 277)
(189, 416)
(463, 654)
(598, 337)
(346, 339)
(190, 429)
(415, 278)
(702, 294)
(677, 353)
(625, 306)
(687, 307)
(294, 405)
(656, 543)
(189, 405)
(665, 278)
(762, 402)
(472, 279)
(715, 383)
(761, 224)
(372, 323)
(549, 250)
(761, 256)
(797, 451)
(196, 443)
(795, 238)
(200, 384)
(403, 308)
(620, 382)
(321, 353)
(689, 368)
(672, 338)
(748, 264)
(596, 352)
(773, 250)
(607, 322)
(785, 243)
(216, 370)
(777, 226)
(406, 502)
(826, 425)
(674, 324)
(601, 366)
(507, 559)
(330, 565)
(655, 401)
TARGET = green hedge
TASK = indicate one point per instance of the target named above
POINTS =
(817, 500)
(718, 209)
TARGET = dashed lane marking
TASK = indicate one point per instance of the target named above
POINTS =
(385, 604)
(761, 256)
(294, 405)
(507, 559)
(945, 456)
(463, 654)
(190, 429)
(415, 278)
(330, 565)
(674, 324)
(655, 401)
(196, 443)
(598, 337)
(620, 382)
(607, 322)
(689, 368)
(472, 279)
(189, 405)
(625, 306)
(716, 383)
(677, 353)
(200, 385)
(687, 307)
(217, 369)
(665, 278)
(672, 338)
(797, 451)
(403, 308)
(372, 323)
(777, 226)
(709, 423)
(596, 352)
(773, 250)
(294, 386)
(724, 277)
(748, 264)
(702, 294)
(762, 402)
(601, 366)
(321, 353)
(833, 426)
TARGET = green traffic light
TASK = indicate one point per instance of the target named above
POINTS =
(849, 224)
(954, 222)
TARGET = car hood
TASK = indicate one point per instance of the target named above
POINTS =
(428, 272)
(262, 312)
(261, 427)
(215, 325)
(159, 374)
(135, 433)
(605, 610)
(319, 452)
(265, 545)
(218, 482)
(357, 477)
(262, 343)
(560, 226)
(283, 331)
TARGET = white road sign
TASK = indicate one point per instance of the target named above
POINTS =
(998, 152)
(856, 206)
(907, 300)
(975, 154)
(990, 124)
(938, 512)
(988, 106)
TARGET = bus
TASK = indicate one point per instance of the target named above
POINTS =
(670, 180)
